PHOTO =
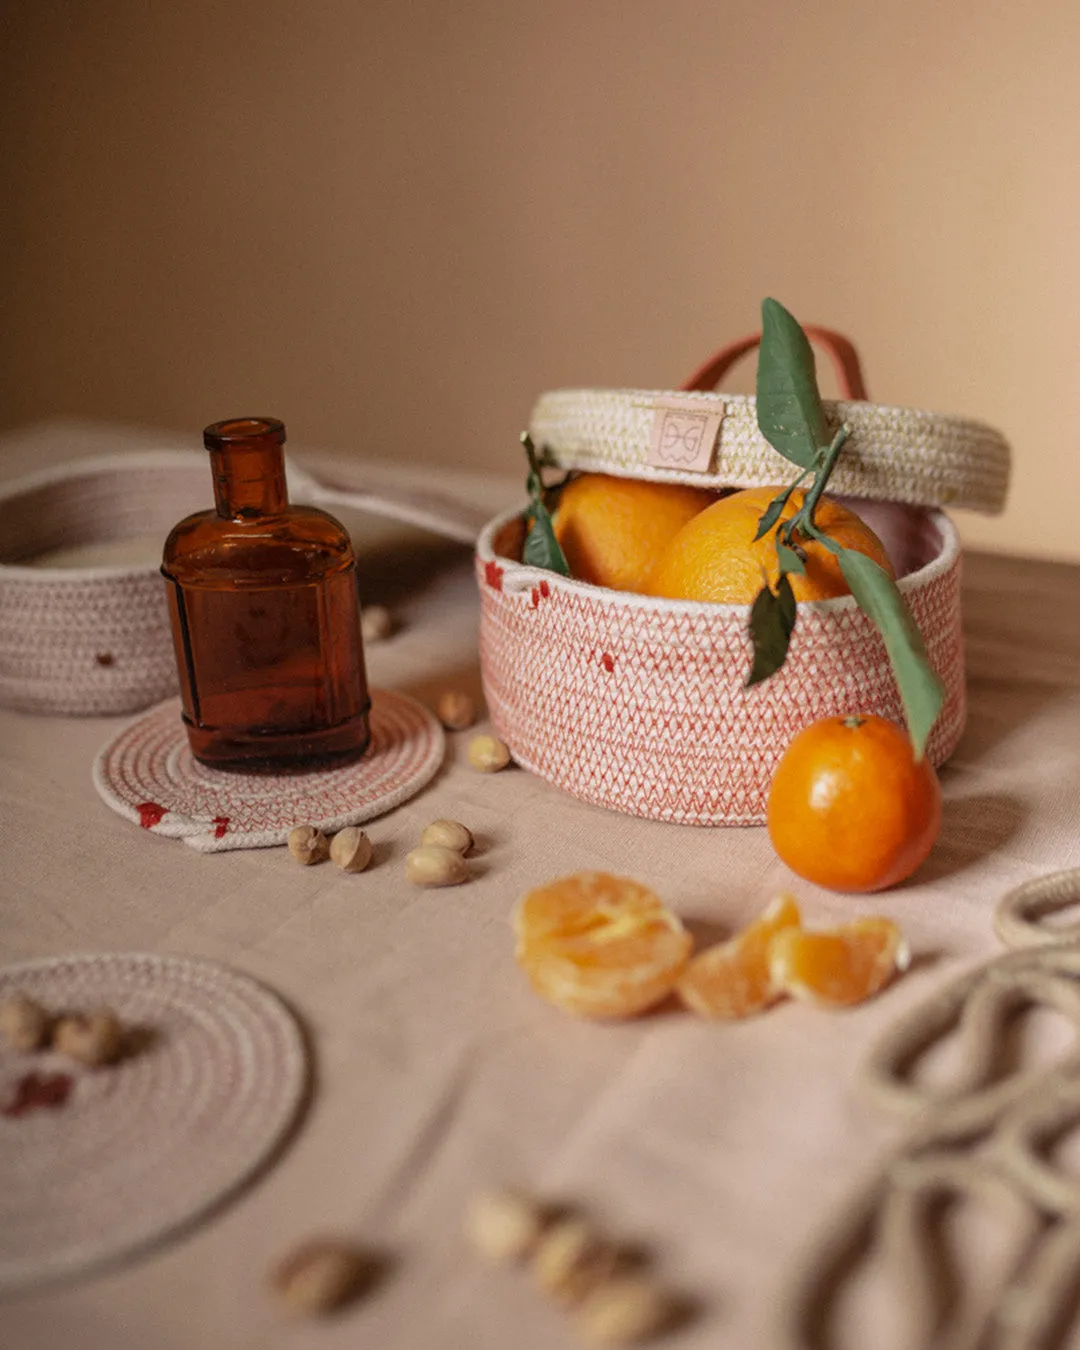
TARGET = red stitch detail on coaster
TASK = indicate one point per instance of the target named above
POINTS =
(535, 596)
(608, 662)
(220, 824)
(36, 1090)
(150, 814)
(545, 589)
(493, 575)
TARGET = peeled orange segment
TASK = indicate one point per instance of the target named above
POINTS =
(841, 967)
(592, 994)
(599, 946)
(734, 979)
(582, 903)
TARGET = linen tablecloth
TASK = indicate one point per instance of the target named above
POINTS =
(438, 1071)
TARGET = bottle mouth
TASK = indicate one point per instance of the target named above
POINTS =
(240, 430)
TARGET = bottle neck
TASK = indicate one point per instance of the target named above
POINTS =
(248, 464)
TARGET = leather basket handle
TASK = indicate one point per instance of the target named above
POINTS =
(840, 350)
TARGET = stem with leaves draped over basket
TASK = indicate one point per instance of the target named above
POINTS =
(792, 420)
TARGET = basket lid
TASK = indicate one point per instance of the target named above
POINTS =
(711, 439)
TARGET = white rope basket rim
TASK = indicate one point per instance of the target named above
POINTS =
(522, 577)
(897, 454)
(68, 475)
(304, 488)
(95, 639)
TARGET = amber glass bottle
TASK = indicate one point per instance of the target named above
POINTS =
(265, 615)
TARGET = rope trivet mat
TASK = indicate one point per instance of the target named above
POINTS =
(990, 1144)
(142, 1148)
(148, 775)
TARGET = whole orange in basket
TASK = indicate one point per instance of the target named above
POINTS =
(612, 530)
(715, 557)
(850, 807)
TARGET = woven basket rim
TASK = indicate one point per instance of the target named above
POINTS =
(69, 475)
(907, 455)
(523, 577)
(72, 472)
(835, 406)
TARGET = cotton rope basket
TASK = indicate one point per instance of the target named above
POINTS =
(639, 704)
(96, 640)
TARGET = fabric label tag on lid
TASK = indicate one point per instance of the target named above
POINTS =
(684, 434)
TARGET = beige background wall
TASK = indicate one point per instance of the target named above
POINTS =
(392, 223)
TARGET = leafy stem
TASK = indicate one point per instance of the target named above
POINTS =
(802, 522)
(806, 515)
(541, 548)
(791, 418)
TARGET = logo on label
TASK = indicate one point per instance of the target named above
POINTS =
(684, 434)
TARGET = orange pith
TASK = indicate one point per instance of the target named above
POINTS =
(612, 530)
(839, 968)
(715, 557)
(598, 945)
(850, 807)
(733, 979)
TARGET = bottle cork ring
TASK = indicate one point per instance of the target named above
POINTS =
(990, 1143)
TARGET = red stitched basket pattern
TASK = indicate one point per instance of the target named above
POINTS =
(639, 705)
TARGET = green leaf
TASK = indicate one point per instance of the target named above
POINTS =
(772, 512)
(789, 411)
(541, 547)
(921, 692)
(772, 621)
(535, 460)
(789, 560)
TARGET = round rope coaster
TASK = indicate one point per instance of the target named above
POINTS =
(148, 775)
(212, 1078)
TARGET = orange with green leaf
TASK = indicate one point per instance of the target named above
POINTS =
(720, 556)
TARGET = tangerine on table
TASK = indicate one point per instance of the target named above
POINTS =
(715, 557)
(838, 968)
(850, 807)
(734, 979)
(612, 530)
(598, 945)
